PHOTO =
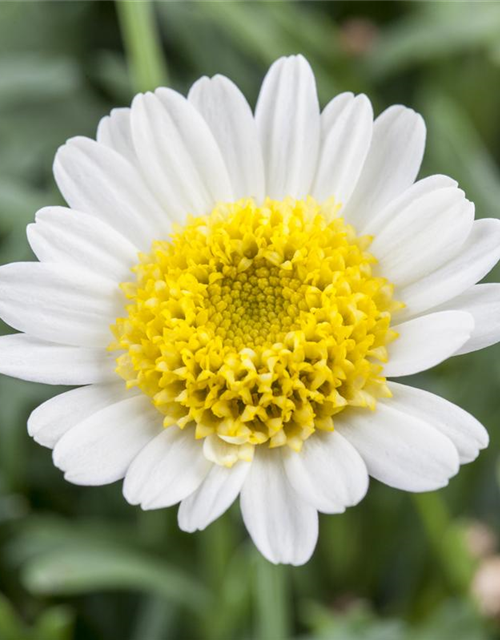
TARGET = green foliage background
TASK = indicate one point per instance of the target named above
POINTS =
(81, 563)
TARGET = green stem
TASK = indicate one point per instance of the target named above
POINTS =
(215, 547)
(142, 44)
(271, 601)
(446, 540)
(155, 620)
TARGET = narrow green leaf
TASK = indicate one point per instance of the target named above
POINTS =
(436, 32)
(78, 570)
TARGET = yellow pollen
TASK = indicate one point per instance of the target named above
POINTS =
(257, 324)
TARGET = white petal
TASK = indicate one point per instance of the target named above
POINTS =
(391, 166)
(169, 469)
(345, 140)
(426, 341)
(115, 132)
(419, 189)
(400, 449)
(480, 252)
(24, 357)
(334, 109)
(423, 236)
(66, 305)
(328, 472)
(467, 434)
(96, 179)
(232, 124)
(483, 303)
(220, 451)
(288, 121)
(215, 495)
(52, 419)
(100, 449)
(63, 235)
(178, 154)
(283, 526)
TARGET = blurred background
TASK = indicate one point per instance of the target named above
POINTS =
(80, 562)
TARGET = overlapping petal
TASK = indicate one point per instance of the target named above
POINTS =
(392, 164)
(426, 341)
(100, 449)
(467, 434)
(283, 526)
(422, 188)
(70, 306)
(115, 132)
(96, 179)
(477, 256)
(65, 236)
(178, 154)
(52, 419)
(402, 450)
(483, 303)
(423, 235)
(346, 133)
(169, 469)
(328, 473)
(233, 126)
(213, 497)
(28, 358)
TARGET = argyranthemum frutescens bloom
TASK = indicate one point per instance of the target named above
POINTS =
(234, 292)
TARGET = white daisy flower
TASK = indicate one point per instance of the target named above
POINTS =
(234, 290)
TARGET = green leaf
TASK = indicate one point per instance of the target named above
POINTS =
(55, 623)
(87, 568)
(446, 538)
(111, 73)
(11, 626)
(358, 623)
(437, 32)
(29, 76)
(266, 32)
(18, 203)
(454, 620)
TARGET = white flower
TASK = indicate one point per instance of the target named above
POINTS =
(261, 333)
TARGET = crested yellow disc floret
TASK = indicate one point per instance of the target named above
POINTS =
(257, 324)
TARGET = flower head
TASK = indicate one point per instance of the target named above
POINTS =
(234, 292)
(257, 325)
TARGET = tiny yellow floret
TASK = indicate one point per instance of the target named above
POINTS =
(257, 324)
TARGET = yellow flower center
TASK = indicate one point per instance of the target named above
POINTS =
(257, 324)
